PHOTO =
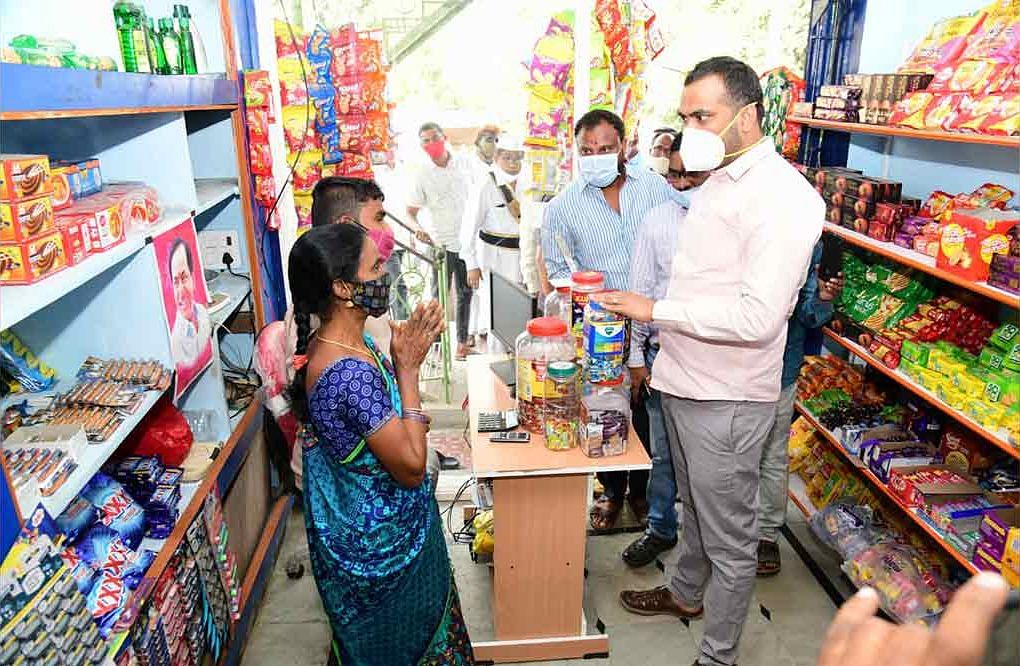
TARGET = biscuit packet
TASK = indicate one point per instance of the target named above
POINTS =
(943, 45)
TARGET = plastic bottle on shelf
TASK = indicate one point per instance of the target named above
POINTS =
(582, 285)
(562, 410)
(185, 40)
(170, 40)
(545, 340)
(197, 45)
(557, 303)
(604, 336)
(157, 53)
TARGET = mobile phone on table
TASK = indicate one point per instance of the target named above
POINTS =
(512, 437)
(832, 256)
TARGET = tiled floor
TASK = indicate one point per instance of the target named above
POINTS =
(291, 628)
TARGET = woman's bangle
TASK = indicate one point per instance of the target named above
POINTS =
(417, 415)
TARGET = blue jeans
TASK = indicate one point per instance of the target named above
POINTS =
(662, 517)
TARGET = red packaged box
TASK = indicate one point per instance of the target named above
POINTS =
(61, 185)
(882, 231)
(971, 238)
(21, 220)
(32, 260)
(24, 177)
(101, 215)
(77, 244)
(960, 451)
(917, 486)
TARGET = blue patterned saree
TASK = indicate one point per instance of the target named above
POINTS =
(377, 548)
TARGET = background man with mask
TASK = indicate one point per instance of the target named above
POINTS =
(649, 276)
(661, 150)
(442, 187)
(596, 218)
(743, 253)
(494, 219)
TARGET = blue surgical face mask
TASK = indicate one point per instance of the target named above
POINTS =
(683, 197)
(600, 170)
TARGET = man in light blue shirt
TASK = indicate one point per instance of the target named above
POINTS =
(649, 276)
(596, 220)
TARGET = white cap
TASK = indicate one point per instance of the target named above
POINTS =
(510, 143)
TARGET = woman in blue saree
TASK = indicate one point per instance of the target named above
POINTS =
(374, 535)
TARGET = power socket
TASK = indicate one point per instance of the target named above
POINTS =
(213, 245)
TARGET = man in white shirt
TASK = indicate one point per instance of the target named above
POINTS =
(494, 218)
(442, 187)
(743, 253)
(483, 163)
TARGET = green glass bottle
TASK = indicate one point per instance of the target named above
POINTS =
(187, 46)
(139, 40)
(171, 45)
(158, 53)
(122, 16)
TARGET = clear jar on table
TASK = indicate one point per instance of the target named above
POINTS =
(562, 410)
(605, 338)
(545, 341)
(582, 285)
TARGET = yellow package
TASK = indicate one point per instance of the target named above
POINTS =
(1011, 558)
(989, 414)
(969, 384)
(485, 539)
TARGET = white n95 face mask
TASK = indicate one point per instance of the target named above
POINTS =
(599, 170)
(659, 164)
(702, 150)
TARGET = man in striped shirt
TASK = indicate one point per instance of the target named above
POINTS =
(596, 221)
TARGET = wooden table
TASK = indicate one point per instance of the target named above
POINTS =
(540, 499)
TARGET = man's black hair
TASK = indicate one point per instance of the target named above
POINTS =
(336, 196)
(596, 117)
(429, 126)
(176, 245)
(675, 146)
(741, 83)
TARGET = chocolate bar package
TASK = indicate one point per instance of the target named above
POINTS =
(838, 103)
(838, 115)
(841, 92)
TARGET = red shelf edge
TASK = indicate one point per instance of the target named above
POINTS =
(875, 481)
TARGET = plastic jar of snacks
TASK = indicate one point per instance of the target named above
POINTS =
(546, 340)
(562, 410)
(606, 424)
(582, 285)
(604, 337)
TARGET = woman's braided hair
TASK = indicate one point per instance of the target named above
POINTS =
(319, 259)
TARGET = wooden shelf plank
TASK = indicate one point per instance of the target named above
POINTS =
(883, 489)
(921, 262)
(994, 438)
(29, 92)
(907, 133)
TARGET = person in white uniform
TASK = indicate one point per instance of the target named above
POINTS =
(483, 164)
(494, 218)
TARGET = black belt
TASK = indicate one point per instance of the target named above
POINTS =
(507, 242)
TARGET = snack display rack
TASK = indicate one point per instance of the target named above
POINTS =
(185, 136)
(995, 438)
(881, 487)
(907, 133)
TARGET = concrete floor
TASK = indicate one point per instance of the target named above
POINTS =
(291, 627)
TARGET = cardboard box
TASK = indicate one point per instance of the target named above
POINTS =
(86, 179)
(1011, 558)
(20, 220)
(914, 493)
(970, 239)
(61, 190)
(102, 218)
(995, 528)
(23, 177)
(985, 560)
(32, 260)
(960, 451)
(883, 457)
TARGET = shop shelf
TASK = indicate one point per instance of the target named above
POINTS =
(797, 491)
(924, 135)
(236, 287)
(995, 438)
(20, 302)
(28, 92)
(89, 462)
(884, 490)
(921, 262)
(212, 191)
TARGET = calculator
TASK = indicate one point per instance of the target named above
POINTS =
(497, 421)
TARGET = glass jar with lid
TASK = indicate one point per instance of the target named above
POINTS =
(562, 410)
(545, 340)
(582, 285)
(557, 303)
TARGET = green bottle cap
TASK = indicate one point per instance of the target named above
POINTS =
(562, 369)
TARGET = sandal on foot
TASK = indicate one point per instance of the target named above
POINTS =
(604, 514)
(769, 562)
(657, 601)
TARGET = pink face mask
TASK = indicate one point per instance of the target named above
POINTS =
(384, 241)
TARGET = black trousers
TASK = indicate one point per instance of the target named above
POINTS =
(456, 275)
(615, 484)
